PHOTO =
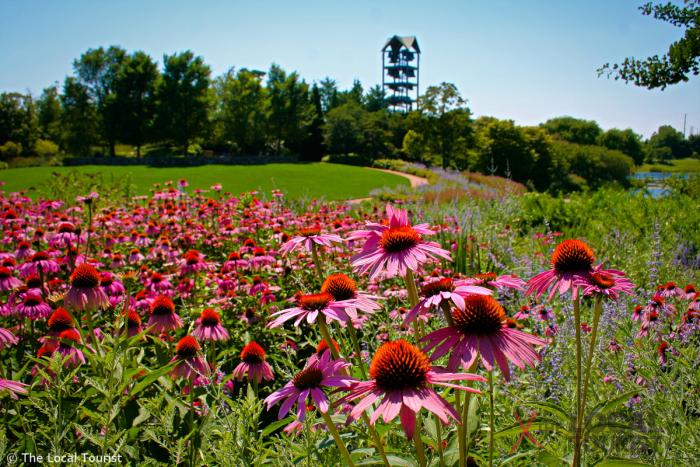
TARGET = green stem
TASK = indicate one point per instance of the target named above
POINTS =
(579, 415)
(358, 350)
(375, 436)
(465, 440)
(438, 430)
(411, 288)
(338, 440)
(317, 262)
(491, 418)
(418, 441)
(190, 423)
(589, 366)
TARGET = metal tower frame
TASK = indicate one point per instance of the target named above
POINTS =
(401, 72)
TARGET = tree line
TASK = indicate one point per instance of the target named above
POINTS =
(114, 97)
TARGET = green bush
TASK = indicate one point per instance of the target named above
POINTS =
(46, 148)
(10, 150)
(596, 164)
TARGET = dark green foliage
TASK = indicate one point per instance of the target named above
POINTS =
(676, 65)
(79, 118)
(183, 104)
(49, 114)
(18, 121)
(626, 141)
(596, 165)
(573, 130)
(668, 137)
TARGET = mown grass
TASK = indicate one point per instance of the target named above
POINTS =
(688, 164)
(317, 180)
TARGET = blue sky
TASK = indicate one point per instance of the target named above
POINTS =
(523, 60)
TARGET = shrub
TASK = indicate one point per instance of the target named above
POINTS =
(46, 148)
(10, 150)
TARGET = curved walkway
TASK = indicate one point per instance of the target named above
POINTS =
(415, 181)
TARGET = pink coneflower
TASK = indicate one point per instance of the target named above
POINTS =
(208, 327)
(607, 282)
(135, 256)
(133, 323)
(308, 238)
(310, 383)
(39, 259)
(111, 286)
(572, 260)
(85, 292)
(490, 279)
(443, 291)
(59, 321)
(163, 317)
(159, 284)
(481, 329)
(670, 289)
(309, 307)
(190, 363)
(544, 314)
(7, 280)
(13, 387)
(7, 339)
(33, 307)
(193, 262)
(637, 313)
(396, 248)
(24, 250)
(67, 347)
(344, 292)
(690, 292)
(65, 236)
(253, 364)
(401, 375)
(523, 313)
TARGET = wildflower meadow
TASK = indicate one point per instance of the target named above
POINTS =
(197, 327)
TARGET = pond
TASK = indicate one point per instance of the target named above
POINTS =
(655, 181)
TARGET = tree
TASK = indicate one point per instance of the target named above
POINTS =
(242, 111)
(573, 130)
(312, 147)
(49, 114)
(79, 118)
(447, 126)
(375, 99)
(668, 137)
(342, 132)
(135, 99)
(682, 58)
(291, 111)
(97, 71)
(354, 94)
(329, 94)
(505, 150)
(18, 121)
(183, 103)
(626, 141)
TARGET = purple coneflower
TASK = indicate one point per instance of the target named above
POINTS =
(40, 258)
(13, 387)
(443, 291)
(208, 327)
(163, 317)
(490, 279)
(572, 260)
(253, 364)
(33, 307)
(309, 307)
(67, 347)
(189, 362)
(401, 375)
(7, 339)
(607, 282)
(309, 239)
(310, 383)
(396, 248)
(344, 292)
(85, 292)
(7, 280)
(481, 329)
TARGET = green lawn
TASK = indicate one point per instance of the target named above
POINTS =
(330, 181)
(676, 165)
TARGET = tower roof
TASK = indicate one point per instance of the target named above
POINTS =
(396, 42)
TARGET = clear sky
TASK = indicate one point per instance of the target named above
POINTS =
(526, 60)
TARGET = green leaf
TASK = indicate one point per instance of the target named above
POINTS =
(540, 424)
(561, 413)
(619, 462)
(608, 405)
(272, 427)
(150, 378)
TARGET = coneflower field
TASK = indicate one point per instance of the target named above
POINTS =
(196, 327)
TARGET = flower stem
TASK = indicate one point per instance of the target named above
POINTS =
(491, 418)
(438, 430)
(579, 415)
(358, 350)
(418, 441)
(338, 440)
(461, 437)
(317, 262)
(589, 365)
(375, 436)
(464, 440)
(411, 288)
